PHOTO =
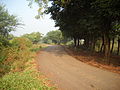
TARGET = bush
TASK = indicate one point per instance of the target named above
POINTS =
(21, 43)
(12, 58)
(17, 72)
(36, 47)
(3, 42)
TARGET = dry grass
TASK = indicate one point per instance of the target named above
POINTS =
(18, 70)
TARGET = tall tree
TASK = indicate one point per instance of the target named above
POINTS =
(8, 22)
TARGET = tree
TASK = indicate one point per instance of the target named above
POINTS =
(90, 20)
(87, 19)
(35, 37)
(54, 36)
(8, 22)
(46, 40)
(108, 12)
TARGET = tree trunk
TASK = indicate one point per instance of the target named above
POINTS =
(118, 46)
(107, 27)
(112, 45)
(78, 44)
(102, 46)
(92, 44)
(75, 43)
(93, 48)
(107, 48)
(86, 44)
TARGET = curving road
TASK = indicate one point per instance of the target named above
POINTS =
(70, 74)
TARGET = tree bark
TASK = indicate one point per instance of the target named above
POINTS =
(78, 44)
(102, 46)
(107, 27)
(107, 48)
(93, 47)
(86, 43)
(113, 40)
(118, 46)
(75, 43)
(92, 44)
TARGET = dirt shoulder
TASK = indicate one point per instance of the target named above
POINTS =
(95, 59)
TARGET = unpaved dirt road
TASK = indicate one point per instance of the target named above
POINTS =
(67, 73)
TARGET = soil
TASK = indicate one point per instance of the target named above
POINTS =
(95, 59)
(68, 73)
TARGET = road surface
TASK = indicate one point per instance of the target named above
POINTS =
(67, 73)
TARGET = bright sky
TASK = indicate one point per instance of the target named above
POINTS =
(27, 15)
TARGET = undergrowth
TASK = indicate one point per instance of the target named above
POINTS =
(28, 79)
(18, 68)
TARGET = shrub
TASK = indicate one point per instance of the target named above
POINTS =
(3, 42)
(12, 58)
(17, 72)
(36, 47)
(21, 43)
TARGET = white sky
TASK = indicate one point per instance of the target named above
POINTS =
(27, 15)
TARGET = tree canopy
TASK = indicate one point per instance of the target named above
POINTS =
(53, 37)
(35, 37)
(8, 22)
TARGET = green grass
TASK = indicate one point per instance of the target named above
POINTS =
(29, 79)
(22, 81)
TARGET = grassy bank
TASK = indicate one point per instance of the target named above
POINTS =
(18, 67)
(28, 79)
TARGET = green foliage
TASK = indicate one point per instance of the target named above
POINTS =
(43, 4)
(18, 81)
(54, 36)
(90, 20)
(46, 40)
(70, 43)
(15, 53)
(36, 47)
(21, 43)
(18, 52)
(8, 22)
(35, 37)
(3, 42)
(10, 36)
(17, 71)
